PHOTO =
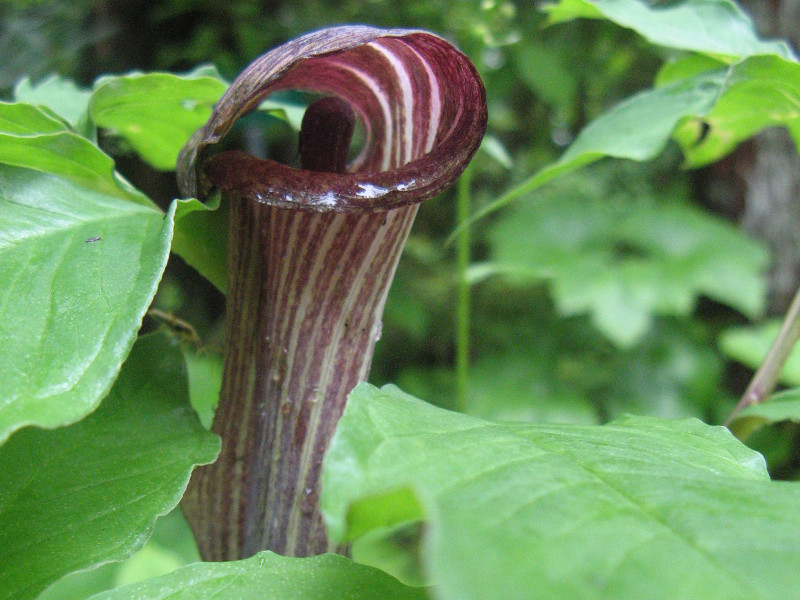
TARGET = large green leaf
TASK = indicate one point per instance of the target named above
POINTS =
(715, 27)
(608, 245)
(155, 112)
(686, 66)
(637, 129)
(79, 496)
(268, 576)
(639, 508)
(79, 265)
(708, 114)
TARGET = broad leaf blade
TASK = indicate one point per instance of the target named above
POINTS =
(79, 496)
(685, 67)
(715, 27)
(155, 112)
(636, 129)
(78, 269)
(637, 508)
(268, 576)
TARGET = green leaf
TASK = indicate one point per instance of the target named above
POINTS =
(784, 406)
(155, 112)
(23, 119)
(620, 132)
(709, 114)
(70, 156)
(83, 495)
(62, 97)
(170, 547)
(82, 584)
(639, 508)
(749, 345)
(715, 27)
(637, 129)
(761, 92)
(268, 576)
(608, 245)
(205, 382)
(201, 238)
(78, 269)
(286, 111)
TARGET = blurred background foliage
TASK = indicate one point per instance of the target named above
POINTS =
(619, 288)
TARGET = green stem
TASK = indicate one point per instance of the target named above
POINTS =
(463, 308)
(766, 377)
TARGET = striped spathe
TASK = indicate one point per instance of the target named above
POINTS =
(311, 259)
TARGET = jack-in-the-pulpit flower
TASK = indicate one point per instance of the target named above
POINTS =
(312, 252)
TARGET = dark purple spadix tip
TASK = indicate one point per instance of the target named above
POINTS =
(324, 140)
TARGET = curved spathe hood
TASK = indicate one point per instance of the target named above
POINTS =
(420, 101)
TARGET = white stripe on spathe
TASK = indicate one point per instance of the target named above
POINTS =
(386, 162)
(435, 101)
(407, 109)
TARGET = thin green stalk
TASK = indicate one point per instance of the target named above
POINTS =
(766, 377)
(463, 307)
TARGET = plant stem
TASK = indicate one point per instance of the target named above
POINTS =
(463, 308)
(766, 377)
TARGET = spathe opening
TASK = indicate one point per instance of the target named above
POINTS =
(271, 131)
